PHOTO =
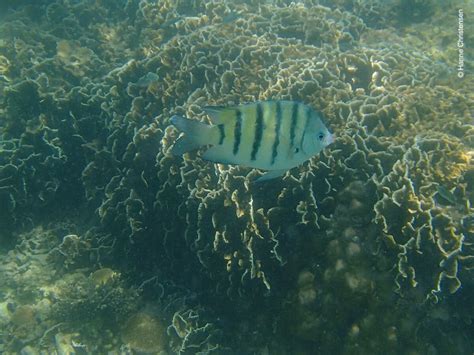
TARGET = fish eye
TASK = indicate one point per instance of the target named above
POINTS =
(321, 136)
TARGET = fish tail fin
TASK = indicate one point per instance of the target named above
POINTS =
(196, 134)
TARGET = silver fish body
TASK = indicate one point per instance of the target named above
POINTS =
(268, 135)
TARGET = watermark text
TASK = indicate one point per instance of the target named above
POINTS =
(460, 43)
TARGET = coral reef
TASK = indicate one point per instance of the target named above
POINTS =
(81, 302)
(368, 243)
(83, 309)
(144, 333)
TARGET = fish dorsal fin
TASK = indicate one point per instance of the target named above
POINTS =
(218, 114)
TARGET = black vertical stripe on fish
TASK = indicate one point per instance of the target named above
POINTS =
(237, 131)
(222, 133)
(277, 132)
(258, 131)
(294, 120)
(307, 116)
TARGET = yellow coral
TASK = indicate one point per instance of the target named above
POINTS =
(77, 59)
(4, 65)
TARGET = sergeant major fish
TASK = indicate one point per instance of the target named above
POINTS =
(268, 135)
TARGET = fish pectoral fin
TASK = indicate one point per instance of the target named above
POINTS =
(218, 155)
(272, 174)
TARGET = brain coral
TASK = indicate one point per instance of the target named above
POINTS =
(365, 217)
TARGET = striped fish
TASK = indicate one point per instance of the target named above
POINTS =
(269, 135)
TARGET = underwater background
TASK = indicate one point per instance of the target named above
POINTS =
(109, 244)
